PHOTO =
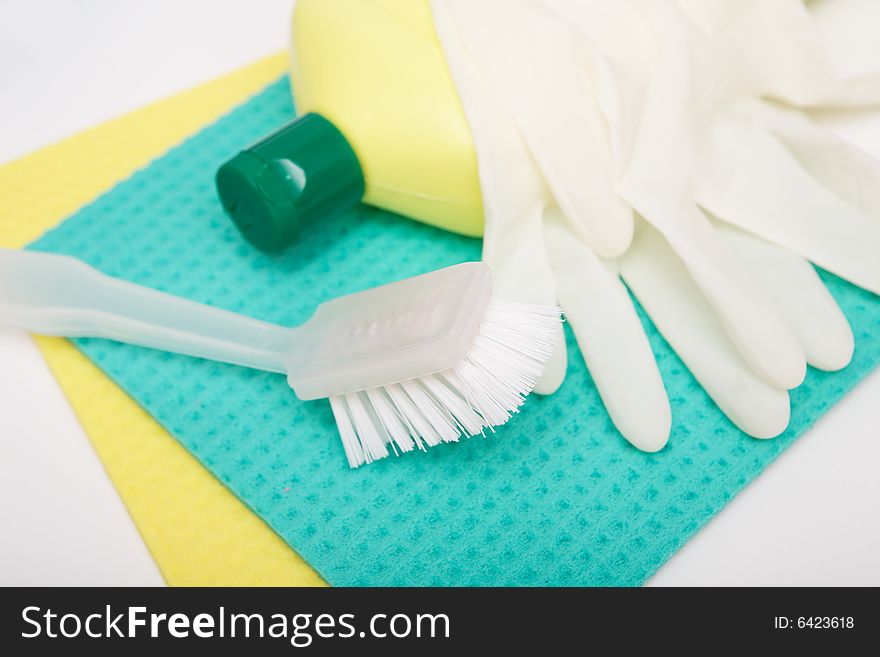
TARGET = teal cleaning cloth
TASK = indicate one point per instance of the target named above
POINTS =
(555, 497)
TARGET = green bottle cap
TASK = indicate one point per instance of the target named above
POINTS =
(304, 171)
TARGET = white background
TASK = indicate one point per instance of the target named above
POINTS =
(65, 65)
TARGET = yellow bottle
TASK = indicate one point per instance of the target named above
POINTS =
(382, 122)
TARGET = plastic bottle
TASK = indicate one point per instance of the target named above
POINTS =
(382, 122)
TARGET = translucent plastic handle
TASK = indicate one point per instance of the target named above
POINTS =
(60, 295)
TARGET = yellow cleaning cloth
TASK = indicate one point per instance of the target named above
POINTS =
(197, 531)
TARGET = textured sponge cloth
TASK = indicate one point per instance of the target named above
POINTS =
(554, 497)
(195, 529)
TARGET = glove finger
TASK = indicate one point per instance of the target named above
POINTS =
(532, 62)
(801, 297)
(754, 182)
(520, 272)
(611, 338)
(744, 308)
(556, 367)
(692, 328)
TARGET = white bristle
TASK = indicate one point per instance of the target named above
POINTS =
(481, 392)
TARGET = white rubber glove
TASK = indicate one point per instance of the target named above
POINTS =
(742, 329)
(545, 87)
(538, 256)
(688, 128)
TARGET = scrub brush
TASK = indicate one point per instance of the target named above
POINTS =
(412, 364)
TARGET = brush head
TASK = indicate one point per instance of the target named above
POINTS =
(481, 391)
(420, 362)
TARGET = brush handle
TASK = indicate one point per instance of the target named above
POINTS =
(62, 296)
